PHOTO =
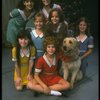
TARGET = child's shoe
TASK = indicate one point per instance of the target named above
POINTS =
(55, 93)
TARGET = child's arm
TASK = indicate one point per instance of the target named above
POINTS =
(87, 53)
(31, 63)
(90, 48)
(38, 72)
(17, 68)
(14, 13)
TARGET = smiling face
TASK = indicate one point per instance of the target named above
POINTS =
(50, 49)
(23, 42)
(82, 26)
(55, 17)
(38, 23)
(28, 4)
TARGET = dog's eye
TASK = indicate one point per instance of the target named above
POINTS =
(70, 41)
(64, 41)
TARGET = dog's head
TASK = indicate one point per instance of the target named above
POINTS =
(70, 45)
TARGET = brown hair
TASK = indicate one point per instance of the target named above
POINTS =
(88, 26)
(50, 40)
(60, 14)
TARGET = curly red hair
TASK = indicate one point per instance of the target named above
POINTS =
(50, 40)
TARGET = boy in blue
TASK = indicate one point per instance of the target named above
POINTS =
(85, 42)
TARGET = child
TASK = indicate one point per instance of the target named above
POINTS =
(46, 78)
(86, 42)
(23, 55)
(57, 25)
(46, 6)
(38, 34)
(18, 19)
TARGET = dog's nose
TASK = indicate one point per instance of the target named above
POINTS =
(64, 47)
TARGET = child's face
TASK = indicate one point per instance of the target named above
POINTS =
(23, 42)
(54, 17)
(29, 4)
(51, 49)
(38, 23)
(46, 2)
(82, 26)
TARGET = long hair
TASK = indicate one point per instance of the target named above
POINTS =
(23, 34)
(60, 14)
(87, 32)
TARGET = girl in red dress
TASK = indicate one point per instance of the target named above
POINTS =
(46, 77)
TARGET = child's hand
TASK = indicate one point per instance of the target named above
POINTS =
(29, 77)
(18, 81)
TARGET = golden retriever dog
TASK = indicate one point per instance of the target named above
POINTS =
(70, 60)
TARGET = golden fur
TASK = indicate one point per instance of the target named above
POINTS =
(70, 48)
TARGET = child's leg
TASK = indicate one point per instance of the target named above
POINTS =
(62, 85)
(33, 85)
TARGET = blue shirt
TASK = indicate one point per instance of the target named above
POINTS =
(85, 44)
(38, 42)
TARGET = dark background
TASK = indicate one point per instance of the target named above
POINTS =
(73, 10)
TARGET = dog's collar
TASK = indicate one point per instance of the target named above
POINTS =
(64, 57)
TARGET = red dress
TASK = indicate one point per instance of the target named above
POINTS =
(43, 66)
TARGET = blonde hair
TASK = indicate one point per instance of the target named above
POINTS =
(39, 14)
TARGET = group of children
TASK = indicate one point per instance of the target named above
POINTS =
(38, 47)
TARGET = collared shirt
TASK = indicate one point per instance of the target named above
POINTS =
(38, 42)
(85, 43)
(44, 65)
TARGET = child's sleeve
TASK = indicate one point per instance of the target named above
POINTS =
(91, 42)
(14, 13)
(39, 65)
(14, 54)
(33, 52)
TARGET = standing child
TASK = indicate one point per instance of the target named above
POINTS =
(86, 42)
(18, 19)
(46, 78)
(38, 34)
(23, 55)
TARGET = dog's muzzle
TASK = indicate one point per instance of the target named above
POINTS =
(66, 50)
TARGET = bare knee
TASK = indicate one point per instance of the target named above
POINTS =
(67, 85)
(31, 84)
